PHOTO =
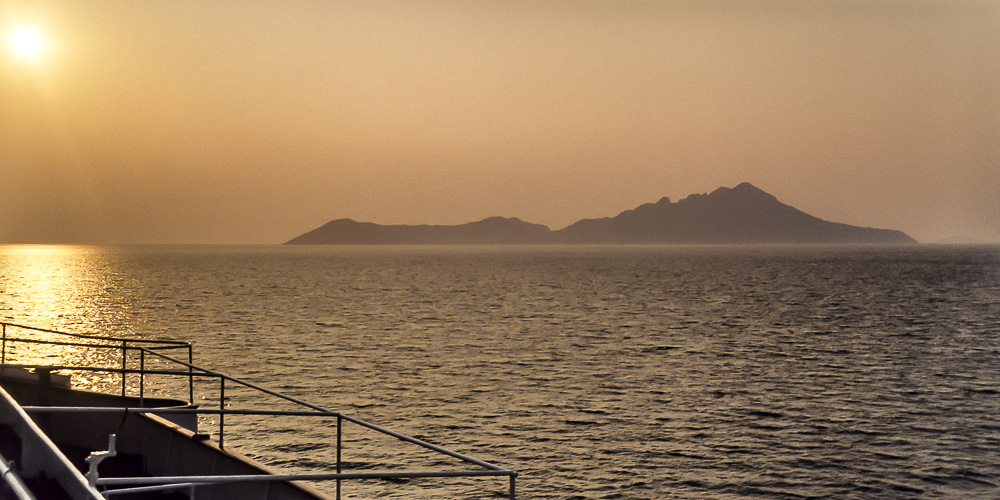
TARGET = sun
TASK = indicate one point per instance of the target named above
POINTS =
(26, 42)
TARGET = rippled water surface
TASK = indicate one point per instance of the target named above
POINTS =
(595, 372)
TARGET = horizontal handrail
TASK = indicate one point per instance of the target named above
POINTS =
(243, 478)
(111, 370)
(198, 411)
(95, 346)
(98, 337)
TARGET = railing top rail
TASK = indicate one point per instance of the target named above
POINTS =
(115, 481)
(174, 410)
(116, 345)
(147, 371)
(98, 337)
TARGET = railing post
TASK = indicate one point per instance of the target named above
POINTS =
(142, 377)
(222, 412)
(339, 448)
(124, 364)
(3, 352)
(190, 375)
(513, 495)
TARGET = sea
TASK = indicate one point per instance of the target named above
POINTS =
(632, 372)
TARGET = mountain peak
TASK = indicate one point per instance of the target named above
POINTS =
(741, 214)
(743, 190)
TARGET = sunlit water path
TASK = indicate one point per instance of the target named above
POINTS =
(596, 372)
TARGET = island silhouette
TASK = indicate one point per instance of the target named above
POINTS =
(741, 215)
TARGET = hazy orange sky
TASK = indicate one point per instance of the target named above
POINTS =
(252, 121)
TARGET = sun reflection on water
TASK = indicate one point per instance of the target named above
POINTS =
(66, 288)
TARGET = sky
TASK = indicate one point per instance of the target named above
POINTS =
(255, 121)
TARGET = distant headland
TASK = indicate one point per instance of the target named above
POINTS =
(740, 215)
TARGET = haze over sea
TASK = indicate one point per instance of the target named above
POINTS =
(595, 372)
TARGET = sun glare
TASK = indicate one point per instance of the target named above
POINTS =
(26, 43)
